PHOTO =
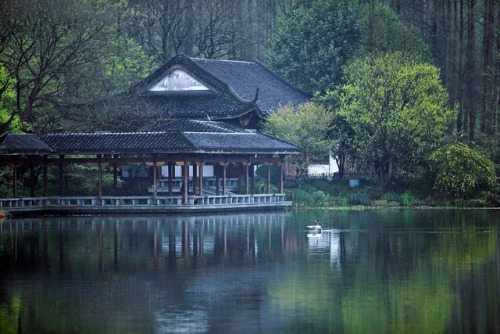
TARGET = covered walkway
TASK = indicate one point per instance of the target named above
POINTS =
(229, 151)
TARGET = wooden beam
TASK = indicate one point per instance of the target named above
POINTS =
(237, 158)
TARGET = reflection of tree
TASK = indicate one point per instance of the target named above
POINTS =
(399, 280)
(397, 272)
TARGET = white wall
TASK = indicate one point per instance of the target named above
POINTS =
(323, 169)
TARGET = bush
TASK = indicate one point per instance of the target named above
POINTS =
(359, 199)
(311, 197)
(461, 172)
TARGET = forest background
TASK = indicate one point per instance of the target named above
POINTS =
(55, 54)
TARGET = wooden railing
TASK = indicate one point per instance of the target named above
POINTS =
(208, 183)
(138, 201)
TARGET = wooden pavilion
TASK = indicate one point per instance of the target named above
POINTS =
(225, 149)
(213, 108)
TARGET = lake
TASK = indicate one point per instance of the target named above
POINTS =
(372, 271)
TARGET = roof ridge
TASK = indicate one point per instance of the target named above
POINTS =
(223, 60)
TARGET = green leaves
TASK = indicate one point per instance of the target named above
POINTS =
(306, 125)
(313, 41)
(397, 109)
(460, 172)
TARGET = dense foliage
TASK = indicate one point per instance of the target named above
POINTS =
(378, 60)
(307, 126)
(398, 110)
(461, 172)
(313, 41)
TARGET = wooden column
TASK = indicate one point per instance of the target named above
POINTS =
(99, 181)
(32, 181)
(45, 180)
(115, 178)
(239, 179)
(170, 176)
(14, 180)
(195, 178)
(200, 179)
(245, 166)
(268, 165)
(61, 176)
(282, 169)
(216, 167)
(224, 171)
(185, 173)
(155, 185)
(252, 168)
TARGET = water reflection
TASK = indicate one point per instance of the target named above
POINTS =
(380, 271)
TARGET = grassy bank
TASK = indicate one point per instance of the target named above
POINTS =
(338, 195)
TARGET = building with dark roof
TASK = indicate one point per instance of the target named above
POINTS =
(237, 92)
(213, 107)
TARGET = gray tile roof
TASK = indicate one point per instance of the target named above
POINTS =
(200, 126)
(24, 144)
(246, 77)
(107, 143)
(196, 105)
(221, 140)
(240, 142)
(234, 86)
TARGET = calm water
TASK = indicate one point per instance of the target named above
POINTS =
(412, 271)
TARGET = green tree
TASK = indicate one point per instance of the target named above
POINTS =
(312, 42)
(461, 172)
(306, 125)
(397, 109)
(57, 52)
(383, 32)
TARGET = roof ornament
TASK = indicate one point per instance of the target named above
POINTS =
(256, 95)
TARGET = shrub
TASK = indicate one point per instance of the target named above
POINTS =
(359, 199)
(461, 172)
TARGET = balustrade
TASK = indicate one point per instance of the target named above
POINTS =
(27, 203)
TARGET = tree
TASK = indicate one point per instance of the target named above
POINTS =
(55, 51)
(313, 41)
(306, 125)
(397, 109)
(461, 172)
(383, 32)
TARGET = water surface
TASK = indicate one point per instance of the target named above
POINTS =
(408, 271)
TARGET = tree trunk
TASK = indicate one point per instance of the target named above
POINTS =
(470, 110)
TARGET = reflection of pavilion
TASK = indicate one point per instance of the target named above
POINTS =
(155, 241)
(327, 242)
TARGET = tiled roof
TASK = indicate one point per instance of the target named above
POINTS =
(234, 86)
(246, 77)
(136, 142)
(24, 144)
(222, 141)
(197, 105)
(240, 142)
(199, 126)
